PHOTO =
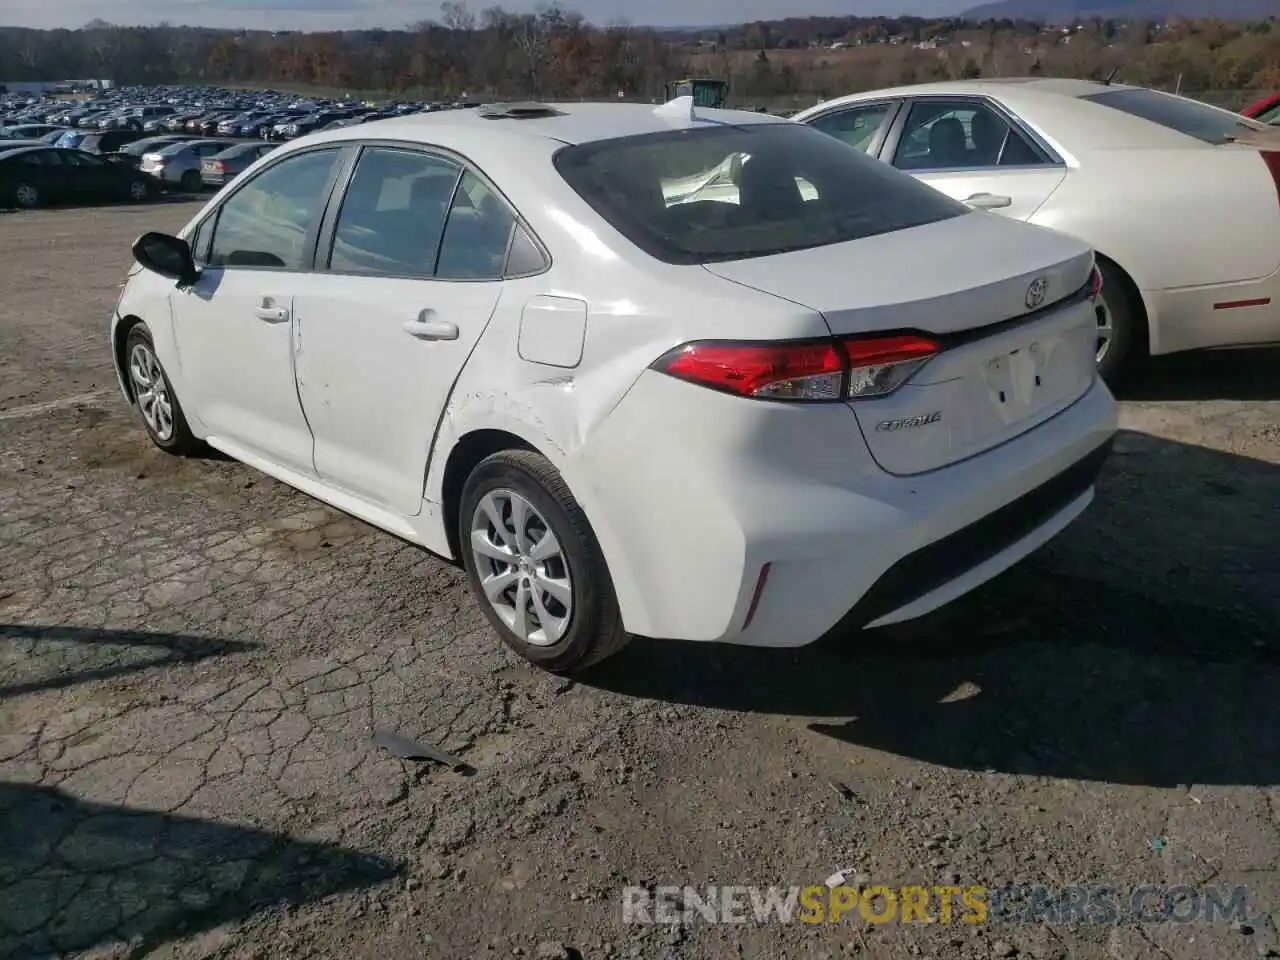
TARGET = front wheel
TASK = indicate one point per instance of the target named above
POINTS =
(190, 182)
(153, 395)
(535, 566)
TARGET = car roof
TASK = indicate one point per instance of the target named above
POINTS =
(571, 123)
(184, 144)
(6, 151)
(1056, 86)
(244, 147)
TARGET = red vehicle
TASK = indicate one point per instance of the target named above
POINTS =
(1267, 109)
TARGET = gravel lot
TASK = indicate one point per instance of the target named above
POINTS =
(193, 659)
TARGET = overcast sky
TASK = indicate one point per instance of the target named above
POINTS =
(349, 14)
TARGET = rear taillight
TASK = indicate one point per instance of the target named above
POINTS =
(807, 370)
(219, 166)
(1272, 159)
(880, 366)
(1095, 284)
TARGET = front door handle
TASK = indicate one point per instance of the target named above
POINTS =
(988, 201)
(427, 327)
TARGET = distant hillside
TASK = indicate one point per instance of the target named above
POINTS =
(1065, 11)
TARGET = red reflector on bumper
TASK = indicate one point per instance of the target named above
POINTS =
(1232, 304)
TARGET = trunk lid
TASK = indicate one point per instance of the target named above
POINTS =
(1018, 342)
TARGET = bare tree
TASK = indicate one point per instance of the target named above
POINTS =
(456, 15)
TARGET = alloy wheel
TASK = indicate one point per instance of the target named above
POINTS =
(27, 195)
(1106, 329)
(151, 391)
(522, 567)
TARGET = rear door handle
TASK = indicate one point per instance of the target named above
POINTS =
(427, 327)
(988, 201)
(271, 314)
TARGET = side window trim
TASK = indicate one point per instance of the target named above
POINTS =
(325, 236)
(876, 146)
(198, 238)
(1049, 157)
(448, 215)
(309, 244)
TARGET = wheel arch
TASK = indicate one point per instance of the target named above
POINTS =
(1136, 299)
(119, 342)
(469, 450)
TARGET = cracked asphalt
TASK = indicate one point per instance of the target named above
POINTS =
(194, 660)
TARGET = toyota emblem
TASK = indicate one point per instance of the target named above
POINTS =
(1036, 292)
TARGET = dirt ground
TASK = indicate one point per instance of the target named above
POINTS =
(194, 659)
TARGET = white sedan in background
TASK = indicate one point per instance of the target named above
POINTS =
(1180, 200)
(827, 396)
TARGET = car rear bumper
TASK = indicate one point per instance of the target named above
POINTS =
(1221, 315)
(688, 514)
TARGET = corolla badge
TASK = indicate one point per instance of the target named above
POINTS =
(1036, 292)
(906, 423)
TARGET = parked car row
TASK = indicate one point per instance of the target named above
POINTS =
(201, 112)
(74, 168)
(34, 175)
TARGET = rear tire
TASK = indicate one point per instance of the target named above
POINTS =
(139, 191)
(526, 541)
(190, 182)
(153, 396)
(1119, 320)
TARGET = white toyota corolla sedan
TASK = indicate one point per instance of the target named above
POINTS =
(1180, 200)
(707, 376)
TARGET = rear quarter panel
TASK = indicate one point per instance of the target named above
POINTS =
(1173, 217)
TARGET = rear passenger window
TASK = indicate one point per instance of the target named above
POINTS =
(477, 234)
(955, 135)
(393, 214)
(266, 223)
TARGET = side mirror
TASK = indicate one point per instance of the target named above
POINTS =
(735, 168)
(168, 256)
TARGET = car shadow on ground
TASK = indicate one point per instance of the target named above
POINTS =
(1139, 647)
(83, 654)
(1245, 374)
(80, 875)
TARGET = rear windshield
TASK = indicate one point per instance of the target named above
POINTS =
(734, 192)
(139, 147)
(1198, 120)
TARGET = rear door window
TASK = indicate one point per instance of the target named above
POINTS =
(733, 192)
(393, 213)
(1199, 120)
(958, 135)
